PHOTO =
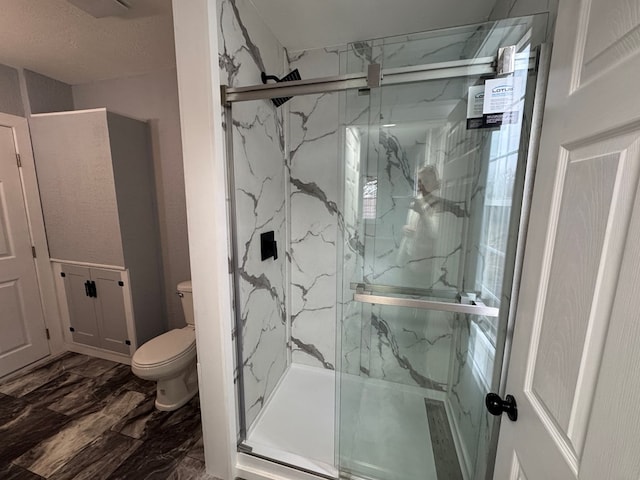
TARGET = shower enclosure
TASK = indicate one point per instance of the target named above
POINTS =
(375, 220)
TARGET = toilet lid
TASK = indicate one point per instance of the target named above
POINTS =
(166, 347)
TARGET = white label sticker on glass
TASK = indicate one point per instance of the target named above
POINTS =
(501, 95)
(475, 101)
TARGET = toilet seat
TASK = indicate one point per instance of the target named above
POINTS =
(166, 353)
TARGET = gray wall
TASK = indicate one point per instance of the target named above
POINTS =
(154, 98)
(46, 94)
(10, 96)
(42, 94)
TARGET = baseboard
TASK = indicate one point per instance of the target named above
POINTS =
(30, 367)
(249, 467)
(463, 455)
(89, 351)
(98, 353)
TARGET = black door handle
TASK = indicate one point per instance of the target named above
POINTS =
(497, 406)
(87, 288)
(94, 291)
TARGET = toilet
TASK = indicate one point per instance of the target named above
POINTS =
(170, 359)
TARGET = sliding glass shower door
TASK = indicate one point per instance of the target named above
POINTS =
(433, 181)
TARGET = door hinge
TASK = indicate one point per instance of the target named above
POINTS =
(48, 334)
(506, 63)
(33, 251)
(18, 160)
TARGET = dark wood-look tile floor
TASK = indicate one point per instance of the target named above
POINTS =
(85, 418)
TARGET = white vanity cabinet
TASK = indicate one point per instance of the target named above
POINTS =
(97, 185)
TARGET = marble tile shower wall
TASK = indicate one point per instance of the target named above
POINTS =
(315, 213)
(246, 48)
(352, 351)
(289, 174)
(401, 346)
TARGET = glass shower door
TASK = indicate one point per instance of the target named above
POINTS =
(433, 176)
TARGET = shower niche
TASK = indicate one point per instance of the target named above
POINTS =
(391, 173)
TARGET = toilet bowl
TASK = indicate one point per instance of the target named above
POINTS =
(170, 359)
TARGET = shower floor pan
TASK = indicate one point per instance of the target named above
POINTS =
(382, 424)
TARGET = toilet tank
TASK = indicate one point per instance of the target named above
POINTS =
(186, 296)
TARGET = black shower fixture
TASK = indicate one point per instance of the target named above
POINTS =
(290, 77)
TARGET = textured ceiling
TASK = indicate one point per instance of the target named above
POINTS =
(304, 24)
(59, 40)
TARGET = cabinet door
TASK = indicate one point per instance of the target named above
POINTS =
(75, 177)
(82, 313)
(110, 312)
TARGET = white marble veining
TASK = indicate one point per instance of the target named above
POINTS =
(319, 209)
(402, 345)
(247, 48)
(336, 177)
(313, 172)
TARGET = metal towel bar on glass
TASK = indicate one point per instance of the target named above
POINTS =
(476, 308)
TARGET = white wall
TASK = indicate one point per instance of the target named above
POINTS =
(154, 98)
(195, 26)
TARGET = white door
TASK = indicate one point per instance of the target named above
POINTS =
(23, 337)
(575, 364)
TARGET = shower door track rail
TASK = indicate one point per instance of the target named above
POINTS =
(394, 289)
(474, 309)
(364, 80)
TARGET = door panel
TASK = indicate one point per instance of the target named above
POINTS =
(611, 444)
(82, 310)
(580, 234)
(575, 343)
(11, 301)
(22, 323)
(110, 313)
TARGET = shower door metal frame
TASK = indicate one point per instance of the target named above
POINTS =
(537, 60)
(390, 76)
(238, 376)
